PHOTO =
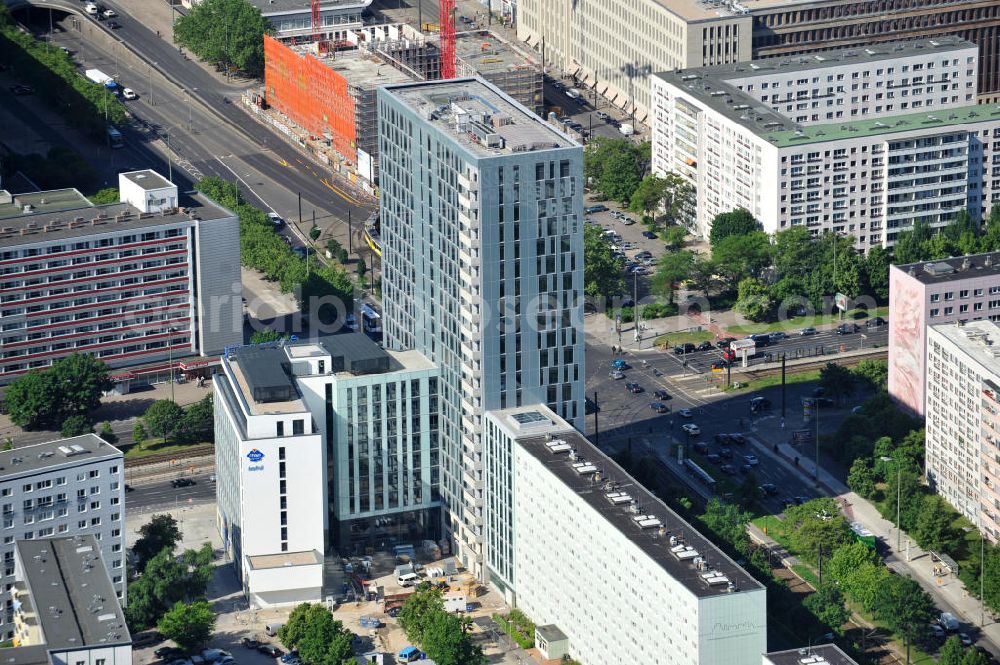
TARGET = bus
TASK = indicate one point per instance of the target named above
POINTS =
(115, 138)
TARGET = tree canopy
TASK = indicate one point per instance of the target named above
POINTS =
(190, 625)
(615, 167)
(739, 222)
(602, 272)
(72, 386)
(163, 418)
(158, 534)
(319, 638)
(445, 637)
(228, 32)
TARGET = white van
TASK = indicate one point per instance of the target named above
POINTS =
(272, 629)
(91, 9)
(409, 579)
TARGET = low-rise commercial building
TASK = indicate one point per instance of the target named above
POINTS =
(566, 525)
(863, 143)
(322, 444)
(292, 19)
(153, 277)
(963, 414)
(62, 488)
(66, 609)
(964, 288)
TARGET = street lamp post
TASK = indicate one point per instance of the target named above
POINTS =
(899, 476)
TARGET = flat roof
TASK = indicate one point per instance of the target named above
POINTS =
(147, 179)
(71, 592)
(65, 213)
(551, 632)
(940, 271)
(270, 7)
(462, 107)
(262, 369)
(820, 654)
(713, 87)
(409, 360)
(704, 10)
(488, 53)
(285, 560)
(58, 452)
(359, 67)
(979, 340)
(652, 538)
(355, 347)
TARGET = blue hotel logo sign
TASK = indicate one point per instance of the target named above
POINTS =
(255, 457)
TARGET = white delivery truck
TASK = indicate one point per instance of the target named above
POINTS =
(99, 77)
(627, 129)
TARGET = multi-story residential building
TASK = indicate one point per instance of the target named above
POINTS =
(961, 455)
(818, 654)
(861, 142)
(566, 525)
(965, 288)
(67, 611)
(482, 228)
(292, 19)
(132, 283)
(319, 444)
(62, 488)
(616, 45)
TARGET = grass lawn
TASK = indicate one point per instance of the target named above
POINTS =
(158, 447)
(673, 339)
(798, 322)
(768, 381)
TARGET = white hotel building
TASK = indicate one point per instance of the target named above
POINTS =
(329, 443)
(566, 525)
(860, 142)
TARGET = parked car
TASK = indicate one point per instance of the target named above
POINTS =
(722, 439)
(759, 403)
(182, 482)
(966, 639)
(659, 407)
(616, 374)
(270, 650)
(807, 331)
(768, 489)
(691, 429)
(685, 413)
(778, 336)
(726, 453)
(662, 395)
(681, 349)
(751, 459)
(728, 468)
(250, 643)
(720, 365)
(619, 364)
(633, 388)
(600, 207)
(704, 346)
(645, 254)
(408, 654)
(725, 342)
(649, 235)
(140, 640)
(167, 654)
(738, 439)
(876, 322)
(213, 655)
(294, 653)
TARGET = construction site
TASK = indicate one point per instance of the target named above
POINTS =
(322, 94)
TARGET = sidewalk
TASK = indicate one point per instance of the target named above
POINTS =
(949, 593)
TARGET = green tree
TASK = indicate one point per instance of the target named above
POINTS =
(163, 418)
(198, 422)
(674, 236)
(795, 252)
(648, 195)
(747, 491)
(910, 245)
(877, 263)
(337, 251)
(847, 559)
(417, 610)
(200, 569)
(190, 625)
(905, 607)
(753, 299)
(827, 605)
(904, 483)
(863, 584)
(361, 268)
(672, 268)
(739, 222)
(265, 335)
(71, 386)
(816, 524)
(229, 32)
(739, 256)
(319, 638)
(837, 380)
(874, 372)
(139, 433)
(861, 478)
(974, 657)
(991, 236)
(602, 272)
(728, 522)
(160, 533)
(107, 433)
(951, 652)
(104, 196)
(614, 167)
(933, 530)
(76, 426)
(447, 640)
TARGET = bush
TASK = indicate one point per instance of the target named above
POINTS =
(658, 310)
(509, 627)
(76, 426)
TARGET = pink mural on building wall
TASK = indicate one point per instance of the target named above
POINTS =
(906, 342)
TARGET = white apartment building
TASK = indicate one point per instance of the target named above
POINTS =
(566, 526)
(136, 283)
(481, 214)
(860, 142)
(963, 419)
(67, 613)
(62, 488)
(817, 654)
(322, 444)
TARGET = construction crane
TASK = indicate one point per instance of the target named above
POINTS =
(317, 27)
(446, 20)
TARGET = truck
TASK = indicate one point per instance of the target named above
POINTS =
(99, 77)
(626, 129)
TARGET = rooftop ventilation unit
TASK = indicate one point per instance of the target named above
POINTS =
(684, 552)
(618, 498)
(714, 578)
(584, 468)
(647, 521)
(558, 446)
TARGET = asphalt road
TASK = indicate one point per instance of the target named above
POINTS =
(625, 418)
(159, 494)
(210, 136)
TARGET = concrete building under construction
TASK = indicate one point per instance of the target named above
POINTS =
(485, 54)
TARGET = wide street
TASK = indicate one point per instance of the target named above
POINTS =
(158, 494)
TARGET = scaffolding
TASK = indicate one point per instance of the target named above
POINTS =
(485, 54)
